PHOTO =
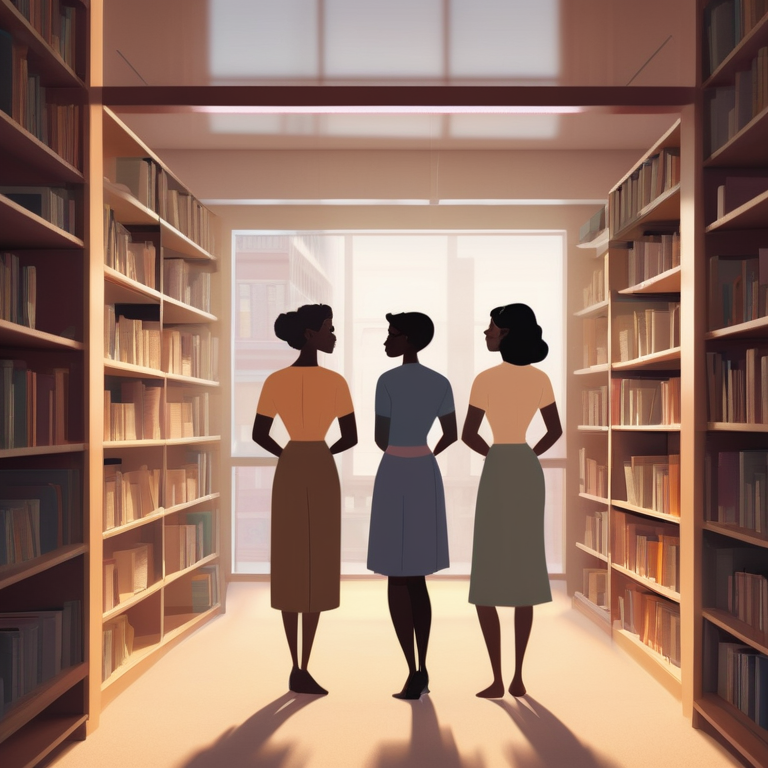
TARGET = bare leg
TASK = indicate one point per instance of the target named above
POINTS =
(291, 626)
(489, 623)
(402, 617)
(421, 611)
(308, 629)
(523, 624)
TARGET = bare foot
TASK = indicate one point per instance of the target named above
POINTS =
(516, 687)
(494, 691)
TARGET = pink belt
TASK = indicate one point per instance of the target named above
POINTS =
(408, 451)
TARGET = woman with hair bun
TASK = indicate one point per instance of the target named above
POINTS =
(408, 535)
(306, 497)
(508, 560)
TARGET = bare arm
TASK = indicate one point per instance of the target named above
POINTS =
(381, 432)
(261, 426)
(554, 429)
(450, 432)
(348, 427)
(470, 434)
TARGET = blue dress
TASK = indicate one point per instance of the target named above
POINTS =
(408, 533)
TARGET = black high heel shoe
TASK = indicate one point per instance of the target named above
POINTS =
(418, 685)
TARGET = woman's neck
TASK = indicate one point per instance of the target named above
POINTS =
(410, 357)
(307, 358)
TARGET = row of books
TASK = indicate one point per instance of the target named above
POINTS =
(595, 341)
(189, 541)
(595, 587)
(205, 588)
(742, 680)
(738, 289)
(592, 227)
(653, 482)
(645, 402)
(117, 636)
(34, 405)
(594, 291)
(190, 481)
(127, 572)
(191, 351)
(187, 283)
(596, 531)
(56, 24)
(137, 342)
(654, 619)
(735, 191)
(652, 256)
(147, 413)
(653, 328)
(651, 179)
(737, 386)
(748, 598)
(725, 23)
(149, 183)
(594, 407)
(129, 495)
(54, 204)
(650, 550)
(35, 646)
(729, 108)
(136, 260)
(593, 476)
(25, 100)
(736, 488)
(18, 291)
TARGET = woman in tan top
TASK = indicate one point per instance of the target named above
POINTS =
(306, 497)
(508, 560)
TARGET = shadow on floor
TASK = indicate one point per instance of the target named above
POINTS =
(247, 745)
(552, 744)
(430, 745)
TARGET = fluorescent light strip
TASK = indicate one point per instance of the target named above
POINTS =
(362, 201)
(387, 110)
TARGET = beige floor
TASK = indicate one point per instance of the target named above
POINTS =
(219, 700)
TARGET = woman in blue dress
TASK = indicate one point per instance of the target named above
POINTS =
(408, 536)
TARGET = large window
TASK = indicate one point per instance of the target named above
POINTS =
(456, 278)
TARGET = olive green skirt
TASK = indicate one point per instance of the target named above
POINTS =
(509, 566)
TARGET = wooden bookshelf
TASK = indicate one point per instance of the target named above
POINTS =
(162, 613)
(646, 243)
(53, 571)
(738, 542)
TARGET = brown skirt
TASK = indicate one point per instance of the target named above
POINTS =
(306, 529)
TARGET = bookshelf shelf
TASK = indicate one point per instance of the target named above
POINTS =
(738, 629)
(746, 149)
(177, 312)
(177, 624)
(664, 671)
(120, 444)
(207, 560)
(23, 229)
(53, 70)
(31, 744)
(120, 289)
(191, 380)
(194, 440)
(737, 729)
(727, 426)
(128, 210)
(740, 58)
(597, 243)
(179, 242)
(191, 503)
(592, 370)
(595, 310)
(11, 574)
(31, 705)
(646, 428)
(34, 161)
(648, 583)
(625, 505)
(42, 450)
(601, 616)
(590, 428)
(139, 597)
(665, 208)
(15, 335)
(593, 552)
(736, 532)
(144, 646)
(666, 282)
(654, 360)
(754, 329)
(159, 513)
(591, 497)
(117, 368)
(752, 215)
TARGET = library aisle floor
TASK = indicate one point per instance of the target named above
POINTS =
(220, 699)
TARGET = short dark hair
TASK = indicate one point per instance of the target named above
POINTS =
(417, 326)
(523, 344)
(290, 326)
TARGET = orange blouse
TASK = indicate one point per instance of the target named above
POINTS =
(510, 395)
(307, 399)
